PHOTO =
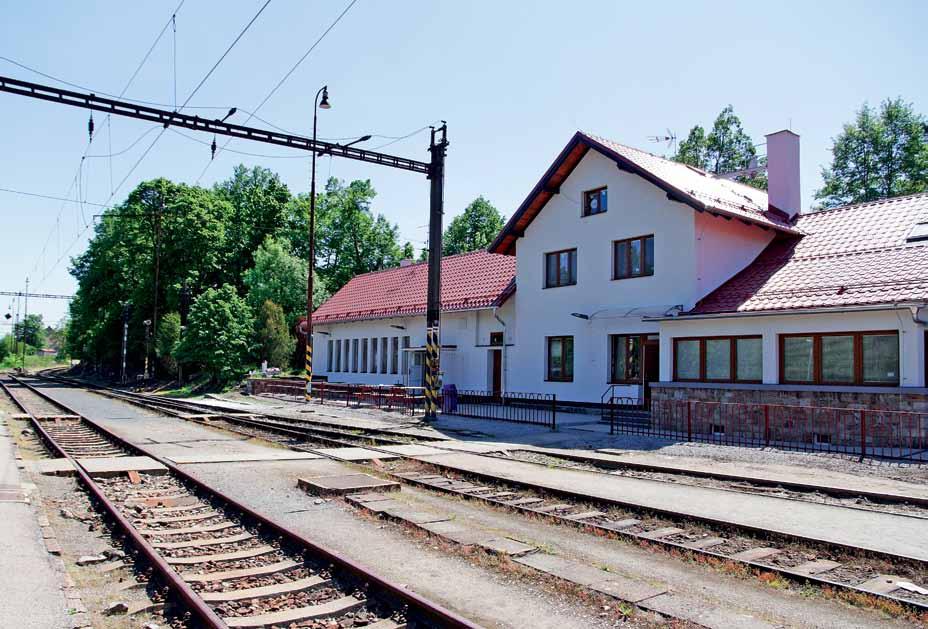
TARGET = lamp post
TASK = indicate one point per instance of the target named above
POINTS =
(317, 105)
(147, 324)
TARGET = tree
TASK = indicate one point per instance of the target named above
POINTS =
(727, 148)
(474, 229)
(167, 340)
(4, 347)
(881, 154)
(259, 209)
(280, 277)
(275, 344)
(219, 329)
(350, 238)
(31, 330)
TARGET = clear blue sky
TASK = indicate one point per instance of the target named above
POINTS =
(514, 80)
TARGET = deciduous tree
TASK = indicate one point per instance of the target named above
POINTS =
(218, 334)
(473, 229)
(727, 148)
(275, 344)
(881, 154)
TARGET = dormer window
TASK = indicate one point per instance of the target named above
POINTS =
(919, 233)
(595, 201)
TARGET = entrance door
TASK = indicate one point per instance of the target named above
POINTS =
(497, 371)
(651, 368)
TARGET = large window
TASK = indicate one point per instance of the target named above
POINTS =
(364, 355)
(338, 355)
(633, 257)
(395, 354)
(862, 358)
(595, 201)
(718, 359)
(626, 357)
(373, 355)
(354, 355)
(406, 343)
(383, 355)
(561, 268)
(560, 358)
(328, 358)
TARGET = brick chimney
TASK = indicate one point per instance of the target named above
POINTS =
(783, 172)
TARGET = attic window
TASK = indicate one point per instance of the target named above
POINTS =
(919, 232)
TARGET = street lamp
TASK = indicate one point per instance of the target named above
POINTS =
(147, 324)
(324, 92)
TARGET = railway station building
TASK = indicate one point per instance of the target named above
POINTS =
(626, 274)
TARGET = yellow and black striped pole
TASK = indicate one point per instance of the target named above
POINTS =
(309, 367)
(437, 147)
(432, 372)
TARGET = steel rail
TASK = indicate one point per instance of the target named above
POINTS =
(176, 119)
(665, 544)
(418, 606)
(172, 579)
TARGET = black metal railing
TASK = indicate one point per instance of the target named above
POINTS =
(523, 408)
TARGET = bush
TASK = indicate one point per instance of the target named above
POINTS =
(218, 334)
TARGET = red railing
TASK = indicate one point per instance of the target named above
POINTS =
(409, 400)
(850, 431)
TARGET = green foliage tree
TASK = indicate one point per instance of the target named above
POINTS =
(881, 154)
(725, 149)
(350, 238)
(258, 201)
(31, 330)
(218, 334)
(280, 277)
(166, 342)
(473, 229)
(5, 343)
(275, 343)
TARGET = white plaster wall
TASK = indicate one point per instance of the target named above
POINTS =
(465, 366)
(636, 208)
(911, 336)
(724, 247)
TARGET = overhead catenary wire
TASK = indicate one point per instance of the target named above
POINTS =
(282, 80)
(163, 129)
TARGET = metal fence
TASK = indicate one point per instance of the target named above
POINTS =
(523, 408)
(391, 398)
(857, 432)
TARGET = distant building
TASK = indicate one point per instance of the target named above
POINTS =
(639, 276)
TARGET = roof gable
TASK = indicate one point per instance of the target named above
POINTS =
(700, 190)
(470, 280)
(850, 255)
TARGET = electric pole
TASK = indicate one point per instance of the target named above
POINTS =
(438, 148)
(25, 324)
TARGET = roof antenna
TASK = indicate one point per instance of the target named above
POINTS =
(670, 138)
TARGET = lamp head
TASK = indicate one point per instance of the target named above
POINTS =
(324, 104)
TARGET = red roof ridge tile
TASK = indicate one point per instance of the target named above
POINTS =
(854, 206)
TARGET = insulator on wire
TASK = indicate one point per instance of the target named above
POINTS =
(90, 127)
(212, 149)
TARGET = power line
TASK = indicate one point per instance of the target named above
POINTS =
(48, 196)
(281, 82)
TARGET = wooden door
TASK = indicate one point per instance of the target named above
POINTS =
(652, 365)
(497, 371)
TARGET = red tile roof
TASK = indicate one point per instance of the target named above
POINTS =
(468, 281)
(848, 256)
(703, 191)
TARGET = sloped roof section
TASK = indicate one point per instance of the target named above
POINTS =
(468, 281)
(848, 256)
(702, 191)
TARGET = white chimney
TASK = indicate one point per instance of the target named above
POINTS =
(783, 172)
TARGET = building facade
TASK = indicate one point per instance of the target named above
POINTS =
(623, 274)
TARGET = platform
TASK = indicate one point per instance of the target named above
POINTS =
(105, 466)
(870, 530)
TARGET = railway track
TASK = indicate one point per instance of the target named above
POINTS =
(229, 566)
(849, 569)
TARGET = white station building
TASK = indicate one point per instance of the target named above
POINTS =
(626, 274)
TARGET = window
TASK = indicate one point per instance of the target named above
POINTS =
(561, 268)
(626, 357)
(595, 201)
(496, 338)
(395, 354)
(328, 356)
(918, 233)
(354, 355)
(561, 358)
(383, 355)
(364, 355)
(338, 355)
(373, 355)
(633, 257)
(850, 358)
(718, 359)
(406, 342)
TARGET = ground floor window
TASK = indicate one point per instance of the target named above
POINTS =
(863, 358)
(364, 355)
(718, 359)
(374, 355)
(560, 358)
(354, 355)
(395, 354)
(328, 354)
